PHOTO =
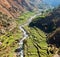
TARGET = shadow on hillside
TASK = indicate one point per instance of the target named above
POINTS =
(51, 25)
(54, 38)
(48, 23)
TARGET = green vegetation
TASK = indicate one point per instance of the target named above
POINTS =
(9, 43)
(36, 44)
(10, 35)
(24, 17)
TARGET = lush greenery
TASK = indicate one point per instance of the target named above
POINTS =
(38, 30)
(9, 36)
(9, 42)
(24, 17)
(36, 44)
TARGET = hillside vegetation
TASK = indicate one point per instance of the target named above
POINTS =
(6, 23)
(9, 36)
(43, 31)
(15, 8)
(48, 23)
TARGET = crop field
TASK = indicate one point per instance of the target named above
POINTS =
(35, 45)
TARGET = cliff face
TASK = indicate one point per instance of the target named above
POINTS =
(14, 8)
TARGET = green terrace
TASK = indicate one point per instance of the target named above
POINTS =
(35, 45)
(24, 17)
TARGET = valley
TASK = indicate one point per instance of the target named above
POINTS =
(36, 45)
(29, 28)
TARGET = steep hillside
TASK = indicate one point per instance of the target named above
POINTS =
(48, 23)
(6, 23)
(14, 8)
(11, 7)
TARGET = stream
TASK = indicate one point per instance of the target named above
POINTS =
(25, 35)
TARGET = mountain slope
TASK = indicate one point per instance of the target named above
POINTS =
(13, 8)
(6, 23)
(48, 23)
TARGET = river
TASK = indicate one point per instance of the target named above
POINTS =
(25, 35)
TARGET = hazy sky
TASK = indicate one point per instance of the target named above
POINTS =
(52, 2)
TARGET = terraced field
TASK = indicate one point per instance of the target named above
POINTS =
(35, 45)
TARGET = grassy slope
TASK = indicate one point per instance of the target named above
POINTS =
(24, 17)
(9, 43)
(36, 44)
(37, 38)
(10, 39)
